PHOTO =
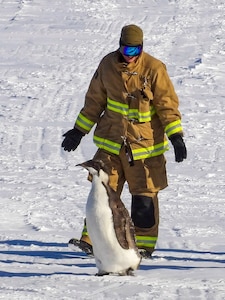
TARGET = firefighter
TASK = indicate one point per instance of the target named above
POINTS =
(132, 101)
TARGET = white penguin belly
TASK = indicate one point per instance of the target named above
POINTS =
(109, 255)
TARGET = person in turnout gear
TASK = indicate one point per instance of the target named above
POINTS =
(132, 101)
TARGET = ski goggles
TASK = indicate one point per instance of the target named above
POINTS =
(131, 50)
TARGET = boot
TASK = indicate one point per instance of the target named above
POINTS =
(84, 243)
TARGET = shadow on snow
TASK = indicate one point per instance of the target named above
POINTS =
(43, 254)
(30, 243)
(185, 256)
(174, 255)
(21, 274)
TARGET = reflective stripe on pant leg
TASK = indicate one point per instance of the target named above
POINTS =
(84, 236)
(84, 231)
(146, 241)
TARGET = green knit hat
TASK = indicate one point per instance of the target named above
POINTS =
(131, 35)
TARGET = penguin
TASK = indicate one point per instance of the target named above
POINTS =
(109, 225)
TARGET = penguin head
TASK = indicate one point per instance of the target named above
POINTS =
(96, 168)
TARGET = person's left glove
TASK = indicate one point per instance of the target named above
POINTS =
(72, 139)
(179, 147)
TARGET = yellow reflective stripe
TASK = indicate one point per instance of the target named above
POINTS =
(146, 241)
(173, 127)
(132, 113)
(151, 151)
(117, 107)
(141, 117)
(84, 232)
(84, 122)
(108, 145)
(140, 153)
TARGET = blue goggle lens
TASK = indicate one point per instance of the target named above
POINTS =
(131, 50)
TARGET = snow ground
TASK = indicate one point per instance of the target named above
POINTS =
(49, 51)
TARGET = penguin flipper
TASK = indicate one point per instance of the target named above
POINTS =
(123, 225)
(124, 229)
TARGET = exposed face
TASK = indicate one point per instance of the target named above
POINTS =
(130, 53)
(130, 59)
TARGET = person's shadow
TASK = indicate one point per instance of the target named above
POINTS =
(62, 255)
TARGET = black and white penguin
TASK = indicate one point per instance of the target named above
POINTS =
(109, 226)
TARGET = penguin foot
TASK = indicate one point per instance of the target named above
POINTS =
(128, 272)
(102, 273)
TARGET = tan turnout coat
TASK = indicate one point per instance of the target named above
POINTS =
(135, 103)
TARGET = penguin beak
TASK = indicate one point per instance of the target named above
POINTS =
(90, 164)
(84, 165)
(95, 168)
(94, 164)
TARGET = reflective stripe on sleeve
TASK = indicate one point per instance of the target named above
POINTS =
(84, 122)
(173, 127)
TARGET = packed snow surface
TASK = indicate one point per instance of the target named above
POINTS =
(49, 51)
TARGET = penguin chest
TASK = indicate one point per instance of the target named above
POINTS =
(98, 213)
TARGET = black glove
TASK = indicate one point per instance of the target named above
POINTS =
(72, 139)
(179, 147)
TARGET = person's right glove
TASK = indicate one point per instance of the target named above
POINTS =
(72, 139)
(179, 147)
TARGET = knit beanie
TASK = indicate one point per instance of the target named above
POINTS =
(131, 35)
